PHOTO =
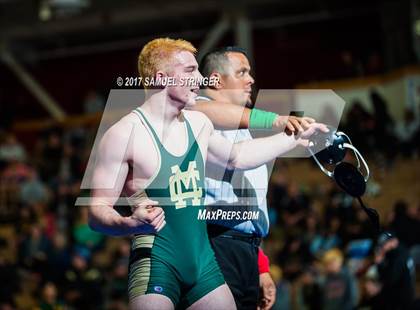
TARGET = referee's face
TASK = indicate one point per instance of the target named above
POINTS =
(237, 83)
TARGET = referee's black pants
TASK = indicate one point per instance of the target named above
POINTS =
(237, 255)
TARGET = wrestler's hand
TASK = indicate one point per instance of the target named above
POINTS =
(267, 292)
(292, 124)
(150, 217)
(303, 137)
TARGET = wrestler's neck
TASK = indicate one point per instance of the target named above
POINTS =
(159, 104)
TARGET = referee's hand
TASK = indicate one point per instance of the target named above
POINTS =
(267, 292)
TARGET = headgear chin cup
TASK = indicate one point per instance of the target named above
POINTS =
(335, 145)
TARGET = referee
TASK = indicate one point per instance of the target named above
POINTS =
(236, 241)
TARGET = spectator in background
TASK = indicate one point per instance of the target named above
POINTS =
(71, 168)
(405, 224)
(406, 133)
(8, 279)
(33, 191)
(11, 150)
(13, 156)
(327, 240)
(396, 273)
(294, 257)
(34, 248)
(366, 228)
(277, 192)
(50, 155)
(49, 299)
(312, 232)
(13, 171)
(294, 206)
(308, 290)
(93, 102)
(384, 127)
(83, 283)
(360, 126)
(358, 226)
(58, 259)
(339, 287)
(371, 287)
(358, 255)
(29, 283)
(117, 286)
(350, 66)
(83, 235)
(374, 64)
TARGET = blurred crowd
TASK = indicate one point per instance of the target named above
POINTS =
(323, 249)
(50, 258)
(378, 133)
(325, 253)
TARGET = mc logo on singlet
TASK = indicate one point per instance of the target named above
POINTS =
(189, 179)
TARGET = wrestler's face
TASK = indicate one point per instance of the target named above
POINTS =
(184, 70)
(237, 82)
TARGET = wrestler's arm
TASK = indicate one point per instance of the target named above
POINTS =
(108, 180)
(253, 153)
(225, 115)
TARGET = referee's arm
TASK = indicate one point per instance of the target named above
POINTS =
(224, 115)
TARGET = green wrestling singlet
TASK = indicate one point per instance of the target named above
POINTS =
(177, 262)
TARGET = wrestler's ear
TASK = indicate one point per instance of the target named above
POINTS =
(218, 84)
(160, 74)
(159, 77)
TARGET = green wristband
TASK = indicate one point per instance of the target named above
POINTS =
(260, 119)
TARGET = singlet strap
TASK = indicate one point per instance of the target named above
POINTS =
(192, 142)
(150, 127)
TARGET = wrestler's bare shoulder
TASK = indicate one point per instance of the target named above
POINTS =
(198, 120)
(121, 133)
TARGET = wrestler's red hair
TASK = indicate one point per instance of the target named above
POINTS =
(156, 55)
